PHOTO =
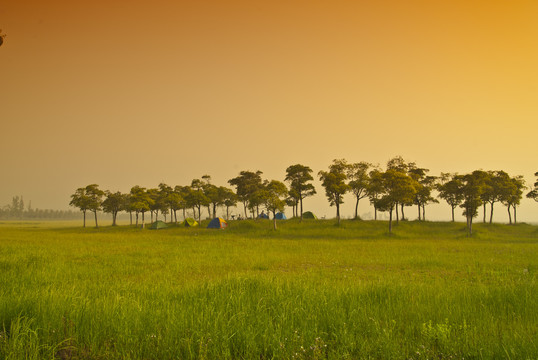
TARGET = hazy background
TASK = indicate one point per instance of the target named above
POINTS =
(124, 93)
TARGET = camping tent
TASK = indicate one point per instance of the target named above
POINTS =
(263, 216)
(217, 223)
(189, 222)
(280, 216)
(158, 225)
(309, 215)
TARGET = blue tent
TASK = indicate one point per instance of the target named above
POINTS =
(263, 216)
(280, 216)
(217, 223)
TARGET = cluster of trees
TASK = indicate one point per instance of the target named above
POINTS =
(17, 210)
(400, 185)
(405, 184)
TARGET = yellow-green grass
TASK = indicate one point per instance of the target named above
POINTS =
(307, 290)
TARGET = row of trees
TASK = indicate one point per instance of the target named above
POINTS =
(17, 210)
(400, 185)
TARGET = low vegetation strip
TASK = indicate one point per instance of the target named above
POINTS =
(310, 290)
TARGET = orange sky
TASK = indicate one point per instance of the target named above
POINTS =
(138, 92)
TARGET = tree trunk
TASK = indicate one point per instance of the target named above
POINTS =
(95, 213)
(418, 212)
(301, 200)
(164, 217)
(214, 210)
(84, 222)
(397, 215)
(175, 216)
(515, 217)
(403, 215)
(470, 226)
(184, 213)
(114, 214)
(357, 208)
(151, 212)
(491, 213)
(338, 213)
(390, 220)
(137, 219)
(274, 220)
(509, 215)
(131, 217)
(142, 220)
(227, 213)
(423, 212)
(245, 206)
(375, 212)
(453, 213)
(484, 213)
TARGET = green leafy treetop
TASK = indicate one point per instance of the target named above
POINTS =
(533, 194)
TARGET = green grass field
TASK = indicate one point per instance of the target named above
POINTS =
(309, 290)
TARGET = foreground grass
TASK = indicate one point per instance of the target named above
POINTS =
(309, 290)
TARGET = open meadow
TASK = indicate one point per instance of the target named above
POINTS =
(309, 290)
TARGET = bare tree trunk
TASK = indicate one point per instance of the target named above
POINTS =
(357, 209)
(137, 219)
(390, 220)
(338, 212)
(131, 217)
(515, 217)
(423, 212)
(397, 215)
(142, 219)
(274, 220)
(114, 214)
(151, 212)
(403, 215)
(301, 200)
(491, 213)
(484, 213)
(375, 212)
(418, 212)
(84, 222)
(509, 215)
(471, 226)
(95, 213)
(453, 213)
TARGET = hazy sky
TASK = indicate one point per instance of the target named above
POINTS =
(122, 93)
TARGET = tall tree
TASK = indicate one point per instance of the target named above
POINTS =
(230, 199)
(375, 188)
(275, 193)
(247, 184)
(513, 196)
(165, 192)
(473, 185)
(449, 190)
(299, 177)
(359, 180)
(424, 186)
(398, 164)
(197, 198)
(334, 182)
(95, 199)
(141, 202)
(398, 188)
(82, 201)
(114, 203)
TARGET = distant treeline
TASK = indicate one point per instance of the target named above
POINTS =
(400, 185)
(17, 211)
